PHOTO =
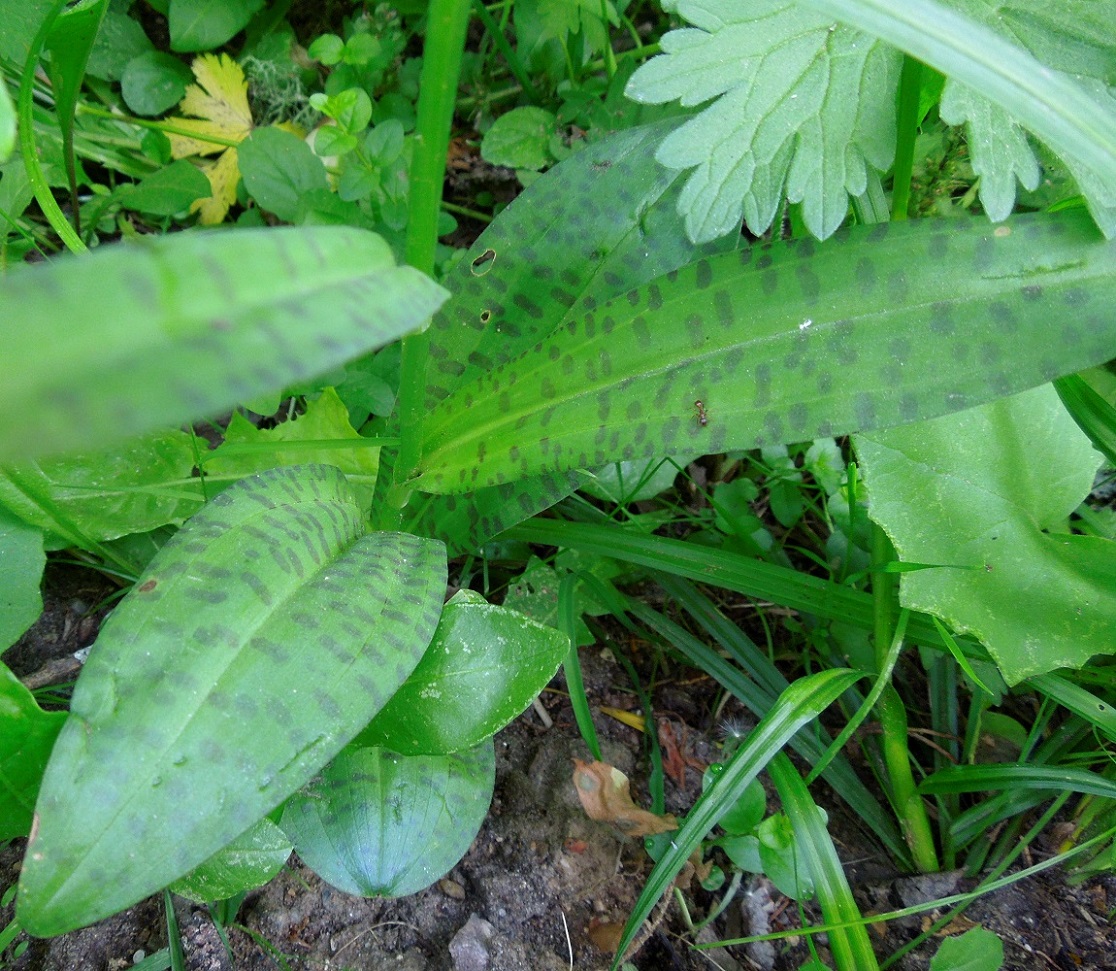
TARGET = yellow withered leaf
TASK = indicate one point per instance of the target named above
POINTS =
(605, 796)
(219, 106)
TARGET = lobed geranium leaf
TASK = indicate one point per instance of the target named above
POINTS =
(787, 342)
(985, 493)
(378, 824)
(259, 640)
(190, 324)
(802, 107)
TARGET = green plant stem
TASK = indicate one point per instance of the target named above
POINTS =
(510, 57)
(910, 91)
(441, 68)
(43, 195)
(913, 819)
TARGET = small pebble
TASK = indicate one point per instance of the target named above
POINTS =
(451, 888)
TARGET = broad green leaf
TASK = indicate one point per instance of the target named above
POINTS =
(27, 734)
(119, 41)
(19, 20)
(197, 322)
(153, 82)
(1075, 116)
(803, 701)
(801, 106)
(21, 570)
(789, 342)
(978, 489)
(483, 667)
(201, 25)
(278, 168)
(322, 434)
(131, 488)
(166, 191)
(975, 950)
(379, 824)
(249, 861)
(520, 139)
(260, 639)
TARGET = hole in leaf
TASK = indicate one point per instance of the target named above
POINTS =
(483, 263)
(486, 316)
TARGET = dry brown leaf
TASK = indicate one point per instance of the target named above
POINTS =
(606, 796)
(605, 935)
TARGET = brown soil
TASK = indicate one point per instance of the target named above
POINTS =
(541, 875)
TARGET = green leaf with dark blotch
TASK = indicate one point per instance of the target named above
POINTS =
(131, 488)
(197, 321)
(788, 342)
(484, 666)
(379, 824)
(259, 640)
(802, 702)
(201, 25)
(27, 734)
(991, 488)
(325, 424)
(21, 570)
(167, 190)
(249, 861)
(553, 250)
(278, 168)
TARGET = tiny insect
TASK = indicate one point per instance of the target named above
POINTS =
(701, 414)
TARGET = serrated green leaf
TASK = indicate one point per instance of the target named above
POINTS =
(259, 640)
(27, 735)
(379, 824)
(278, 168)
(325, 424)
(197, 322)
(201, 25)
(520, 139)
(1071, 109)
(979, 488)
(801, 106)
(789, 342)
(132, 488)
(21, 570)
(249, 861)
(482, 669)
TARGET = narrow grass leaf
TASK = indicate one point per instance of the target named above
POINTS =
(259, 640)
(1019, 777)
(803, 701)
(1081, 702)
(761, 347)
(198, 322)
(849, 943)
(1093, 414)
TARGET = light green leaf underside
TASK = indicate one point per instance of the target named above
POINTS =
(483, 667)
(977, 489)
(1056, 85)
(379, 824)
(27, 734)
(133, 487)
(802, 107)
(249, 861)
(260, 639)
(788, 342)
(185, 326)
